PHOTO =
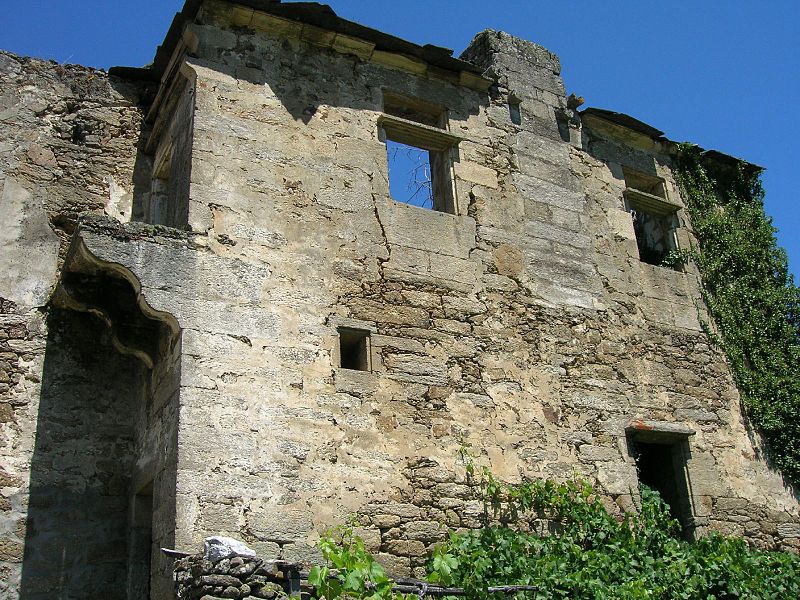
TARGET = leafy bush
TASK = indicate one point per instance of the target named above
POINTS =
(586, 553)
(592, 555)
(750, 295)
(352, 571)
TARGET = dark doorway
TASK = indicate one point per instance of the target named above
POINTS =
(102, 476)
(662, 467)
(84, 454)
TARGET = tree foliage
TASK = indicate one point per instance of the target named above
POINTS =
(750, 295)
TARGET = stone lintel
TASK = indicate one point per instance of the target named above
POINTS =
(658, 432)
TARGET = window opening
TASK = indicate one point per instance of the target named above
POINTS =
(661, 466)
(655, 234)
(354, 349)
(170, 145)
(419, 152)
(160, 190)
(562, 121)
(410, 174)
(419, 174)
(655, 218)
(514, 110)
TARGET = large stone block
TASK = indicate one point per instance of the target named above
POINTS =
(30, 247)
(275, 523)
(412, 227)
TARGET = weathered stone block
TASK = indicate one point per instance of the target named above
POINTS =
(425, 531)
(476, 174)
(280, 524)
(410, 227)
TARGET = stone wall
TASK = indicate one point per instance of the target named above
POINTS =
(82, 425)
(523, 327)
(521, 330)
(237, 577)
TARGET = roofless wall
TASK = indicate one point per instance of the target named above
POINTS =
(307, 344)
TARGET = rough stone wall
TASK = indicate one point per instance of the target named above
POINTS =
(674, 372)
(236, 577)
(523, 328)
(71, 407)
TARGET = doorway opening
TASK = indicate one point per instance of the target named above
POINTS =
(661, 465)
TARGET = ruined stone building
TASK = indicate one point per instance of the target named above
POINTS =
(217, 320)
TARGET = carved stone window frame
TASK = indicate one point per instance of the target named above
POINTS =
(657, 205)
(442, 147)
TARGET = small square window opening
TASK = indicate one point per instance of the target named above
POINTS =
(354, 349)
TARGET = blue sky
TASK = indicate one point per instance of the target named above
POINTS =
(722, 74)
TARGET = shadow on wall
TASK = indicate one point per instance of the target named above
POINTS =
(102, 483)
(311, 79)
(304, 81)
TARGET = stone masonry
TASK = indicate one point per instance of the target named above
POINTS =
(186, 245)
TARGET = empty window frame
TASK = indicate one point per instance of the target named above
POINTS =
(419, 152)
(655, 218)
(515, 109)
(410, 174)
(655, 233)
(161, 188)
(661, 465)
(354, 349)
(170, 144)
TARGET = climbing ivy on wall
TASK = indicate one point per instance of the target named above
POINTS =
(750, 295)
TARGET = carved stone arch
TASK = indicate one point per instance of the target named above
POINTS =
(113, 294)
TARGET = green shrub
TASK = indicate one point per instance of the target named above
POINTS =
(586, 554)
(351, 571)
(592, 555)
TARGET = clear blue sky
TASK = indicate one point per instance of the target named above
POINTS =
(722, 74)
